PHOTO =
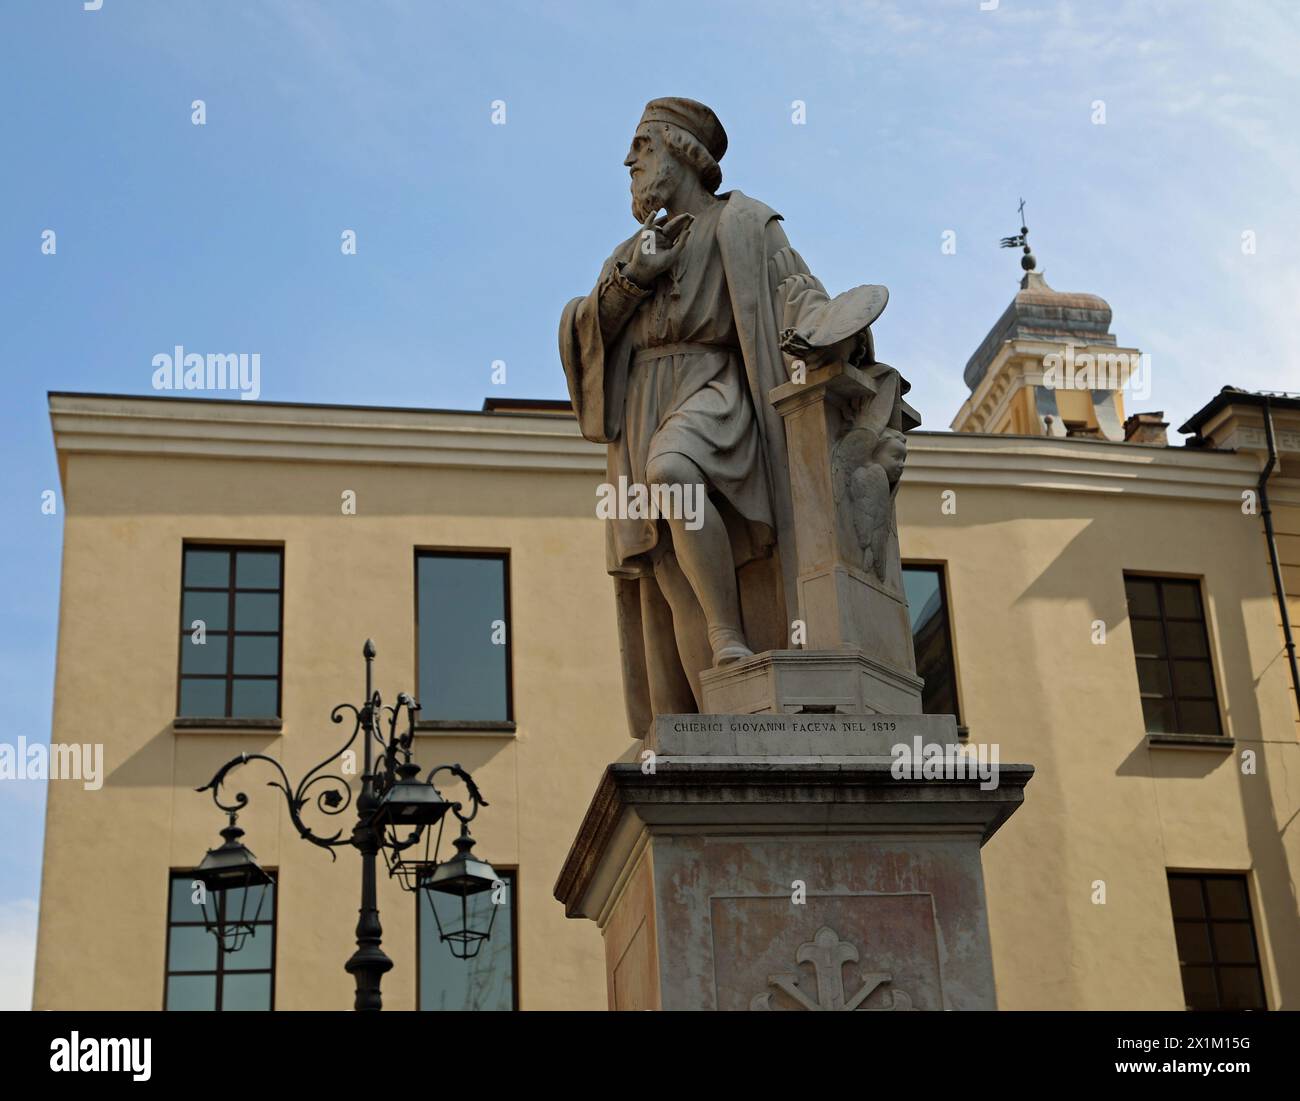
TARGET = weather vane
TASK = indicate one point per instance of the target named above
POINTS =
(1021, 240)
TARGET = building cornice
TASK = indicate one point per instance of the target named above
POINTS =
(1077, 465)
(89, 424)
(199, 428)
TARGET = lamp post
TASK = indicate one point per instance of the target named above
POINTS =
(395, 811)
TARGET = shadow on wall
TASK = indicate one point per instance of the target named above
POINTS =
(1274, 886)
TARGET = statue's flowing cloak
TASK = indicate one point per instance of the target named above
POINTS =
(768, 283)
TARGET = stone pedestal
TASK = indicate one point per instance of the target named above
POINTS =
(787, 862)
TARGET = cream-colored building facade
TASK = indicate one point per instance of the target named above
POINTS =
(1035, 532)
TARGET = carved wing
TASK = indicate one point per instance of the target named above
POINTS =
(876, 507)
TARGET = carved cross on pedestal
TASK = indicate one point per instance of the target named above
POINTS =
(828, 954)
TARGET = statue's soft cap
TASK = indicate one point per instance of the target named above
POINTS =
(693, 117)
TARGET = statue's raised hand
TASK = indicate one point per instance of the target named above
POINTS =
(656, 248)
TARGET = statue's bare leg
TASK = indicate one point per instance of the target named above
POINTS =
(672, 692)
(705, 558)
(690, 633)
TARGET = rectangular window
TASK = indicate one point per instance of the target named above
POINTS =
(1175, 677)
(199, 974)
(927, 606)
(488, 980)
(462, 614)
(1217, 951)
(231, 625)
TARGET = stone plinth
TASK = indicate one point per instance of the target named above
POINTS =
(784, 682)
(776, 862)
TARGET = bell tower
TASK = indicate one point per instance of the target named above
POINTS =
(1050, 366)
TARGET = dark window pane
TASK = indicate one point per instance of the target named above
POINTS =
(1148, 639)
(192, 991)
(253, 699)
(1187, 640)
(1228, 898)
(207, 569)
(1233, 942)
(1193, 942)
(257, 655)
(462, 670)
(1198, 718)
(244, 992)
(240, 979)
(257, 570)
(930, 639)
(1141, 597)
(192, 948)
(182, 909)
(1220, 968)
(1182, 600)
(1242, 988)
(1159, 716)
(1185, 897)
(485, 982)
(211, 608)
(924, 596)
(228, 651)
(257, 611)
(1193, 678)
(1198, 988)
(254, 955)
(203, 699)
(1185, 675)
(1153, 676)
(208, 656)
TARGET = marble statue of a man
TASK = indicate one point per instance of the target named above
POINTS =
(669, 360)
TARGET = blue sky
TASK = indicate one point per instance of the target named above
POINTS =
(325, 116)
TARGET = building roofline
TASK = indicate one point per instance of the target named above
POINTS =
(497, 408)
(1231, 395)
(488, 409)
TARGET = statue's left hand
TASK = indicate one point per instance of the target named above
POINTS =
(650, 260)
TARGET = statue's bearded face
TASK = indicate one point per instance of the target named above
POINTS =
(655, 171)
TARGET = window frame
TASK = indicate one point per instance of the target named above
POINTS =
(939, 567)
(1203, 877)
(229, 675)
(502, 870)
(498, 554)
(219, 973)
(1198, 583)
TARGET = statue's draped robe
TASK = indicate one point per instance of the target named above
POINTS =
(646, 395)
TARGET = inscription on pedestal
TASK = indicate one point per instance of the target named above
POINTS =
(796, 735)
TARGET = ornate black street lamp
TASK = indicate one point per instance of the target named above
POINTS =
(395, 811)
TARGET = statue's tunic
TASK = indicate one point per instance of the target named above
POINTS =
(686, 393)
(709, 405)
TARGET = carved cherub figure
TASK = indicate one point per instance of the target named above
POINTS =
(868, 467)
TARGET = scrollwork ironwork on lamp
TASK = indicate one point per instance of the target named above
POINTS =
(396, 810)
